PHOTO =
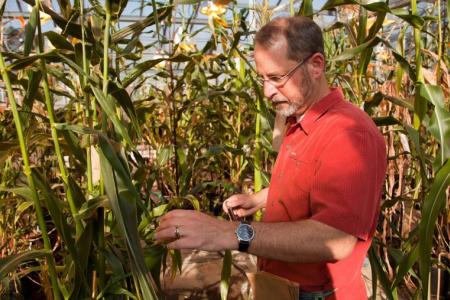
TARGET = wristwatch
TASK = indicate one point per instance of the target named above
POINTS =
(245, 234)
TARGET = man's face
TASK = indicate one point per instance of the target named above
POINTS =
(291, 97)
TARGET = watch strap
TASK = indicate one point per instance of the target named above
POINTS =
(243, 246)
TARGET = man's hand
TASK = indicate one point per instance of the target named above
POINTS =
(196, 230)
(245, 205)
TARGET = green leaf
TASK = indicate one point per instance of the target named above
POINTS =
(177, 261)
(65, 7)
(380, 7)
(433, 205)
(414, 20)
(225, 275)
(89, 208)
(55, 208)
(194, 201)
(352, 52)
(377, 266)
(140, 25)
(2, 7)
(143, 67)
(11, 262)
(416, 142)
(107, 104)
(335, 3)
(21, 208)
(122, 198)
(115, 7)
(58, 41)
(163, 156)
(405, 266)
(123, 98)
(306, 9)
(34, 79)
(23, 191)
(73, 143)
(24, 62)
(420, 104)
(30, 31)
(75, 128)
(440, 121)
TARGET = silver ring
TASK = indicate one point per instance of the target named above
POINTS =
(177, 232)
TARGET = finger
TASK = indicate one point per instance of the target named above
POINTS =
(171, 214)
(183, 243)
(226, 206)
(233, 201)
(167, 231)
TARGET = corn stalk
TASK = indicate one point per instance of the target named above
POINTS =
(27, 171)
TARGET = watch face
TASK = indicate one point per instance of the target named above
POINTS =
(245, 232)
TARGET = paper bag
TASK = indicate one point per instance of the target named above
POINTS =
(267, 286)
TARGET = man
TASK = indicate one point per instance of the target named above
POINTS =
(323, 200)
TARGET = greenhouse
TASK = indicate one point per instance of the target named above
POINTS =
(257, 149)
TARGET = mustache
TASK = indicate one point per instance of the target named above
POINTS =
(276, 100)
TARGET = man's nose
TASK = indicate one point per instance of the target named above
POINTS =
(269, 90)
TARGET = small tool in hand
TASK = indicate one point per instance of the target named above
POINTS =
(233, 216)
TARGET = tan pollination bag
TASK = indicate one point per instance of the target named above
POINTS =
(267, 286)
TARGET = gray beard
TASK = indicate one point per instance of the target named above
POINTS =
(290, 110)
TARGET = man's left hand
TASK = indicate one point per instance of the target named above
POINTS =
(190, 229)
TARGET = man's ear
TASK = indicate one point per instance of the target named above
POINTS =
(317, 65)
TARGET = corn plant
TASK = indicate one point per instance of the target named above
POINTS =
(184, 113)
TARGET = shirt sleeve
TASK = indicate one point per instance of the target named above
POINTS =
(346, 189)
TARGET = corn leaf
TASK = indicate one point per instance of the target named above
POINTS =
(58, 41)
(11, 262)
(34, 79)
(433, 205)
(405, 266)
(2, 7)
(56, 212)
(107, 104)
(73, 144)
(440, 121)
(124, 100)
(225, 275)
(380, 7)
(415, 139)
(140, 25)
(352, 52)
(23, 191)
(123, 197)
(30, 31)
(141, 68)
(67, 27)
(306, 9)
(89, 208)
(21, 208)
(381, 273)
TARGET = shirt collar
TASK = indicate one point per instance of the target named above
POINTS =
(319, 109)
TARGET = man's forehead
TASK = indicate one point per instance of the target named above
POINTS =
(277, 51)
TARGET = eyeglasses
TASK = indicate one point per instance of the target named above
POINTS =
(280, 81)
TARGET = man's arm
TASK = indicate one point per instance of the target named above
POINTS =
(306, 241)
(301, 241)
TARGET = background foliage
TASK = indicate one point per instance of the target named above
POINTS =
(189, 127)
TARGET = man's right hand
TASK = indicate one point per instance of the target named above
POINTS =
(245, 205)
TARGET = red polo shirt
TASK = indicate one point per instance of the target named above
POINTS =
(330, 168)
